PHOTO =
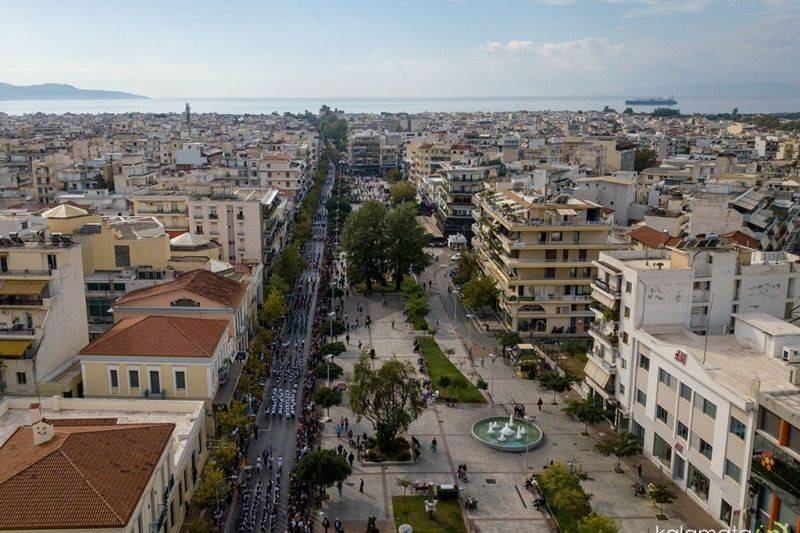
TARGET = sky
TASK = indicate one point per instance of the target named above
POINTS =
(396, 48)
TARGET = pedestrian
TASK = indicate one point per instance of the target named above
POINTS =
(347, 338)
(346, 423)
(337, 526)
(639, 470)
(540, 403)
(392, 324)
(434, 444)
(571, 468)
(351, 458)
(325, 523)
(338, 430)
(483, 361)
(339, 487)
(361, 485)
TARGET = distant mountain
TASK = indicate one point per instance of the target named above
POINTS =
(719, 90)
(58, 91)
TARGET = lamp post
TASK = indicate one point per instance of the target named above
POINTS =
(491, 393)
(455, 309)
(469, 325)
(328, 358)
(330, 319)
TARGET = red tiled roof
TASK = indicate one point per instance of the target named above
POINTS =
(201, 282)
(742, 239)
(158, 336)
(652, 238)
(84, 477)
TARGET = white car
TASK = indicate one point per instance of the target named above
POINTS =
(455, 258)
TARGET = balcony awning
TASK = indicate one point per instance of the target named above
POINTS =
(566, 212)
(597, 374)
(22, 286)
(13, 348)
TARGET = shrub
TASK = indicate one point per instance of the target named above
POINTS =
(481, 384)
(332, 348)
(321, 371)
(338, 327)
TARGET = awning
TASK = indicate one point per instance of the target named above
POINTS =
(597, 374)
(22, 286)
(13, 348)
(567, 212)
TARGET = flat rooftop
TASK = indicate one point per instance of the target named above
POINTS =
(742, 370)
(15, 412)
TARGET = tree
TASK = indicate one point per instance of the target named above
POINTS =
(198, 524)
(556, 382)
(327, 397)
(572, 501)
(404, 482)
(482, 384)
(402, 191)
(508, 339)
(274, 308)
(645, 157)
(224, 454)
(479, 292)
(289, 264)
(588, 411)
(628, 111)
(390, 398)
(211, 488)
(406, 243)
(597, 523)
(466, 268)
(332, 348)
(625, 445)
(660, 493)
(365, 241)
(235, 416)
(321, 370)
(394, 175)
(322, 468)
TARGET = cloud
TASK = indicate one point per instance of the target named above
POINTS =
(646, 7)
(590, 54)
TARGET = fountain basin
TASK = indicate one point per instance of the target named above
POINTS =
(507, 434)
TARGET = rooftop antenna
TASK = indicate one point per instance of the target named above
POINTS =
(189, 119)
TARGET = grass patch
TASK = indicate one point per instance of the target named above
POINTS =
(411, 510)
(574, 364)
(459, 388)
(419, 323)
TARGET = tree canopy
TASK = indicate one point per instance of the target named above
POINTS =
(406, 243)
(403, 191)
(466, 268)
(390, 398)
(479, 292)
(588, 411)
(365, 242)
(289, 264)
(322, 468)
(327, 397)
(645, 157)
(597, 523)
(556, 382)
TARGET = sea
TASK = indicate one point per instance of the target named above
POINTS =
(391, 105)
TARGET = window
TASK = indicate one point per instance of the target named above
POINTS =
(644, 362)
(113, 377)
(133, 379)
(638, 431)
(737, 427)
(622, 389)
(725, 513)
(686, 392)
(662, 450)
(122, 256)
(666, 378)
(625, 337)
(22, 378)
(155, 382)
(770, 423)
(661, 414)
(628, 287)
(682, 430)
(119, 287)
(698, 483)
(99, 307)
(707, 407)
(627, 312)
(52, 262)
(641, 397)
(180, 379)
(732, 471)
(702, 446)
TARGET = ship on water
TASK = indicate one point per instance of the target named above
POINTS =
(656, 100)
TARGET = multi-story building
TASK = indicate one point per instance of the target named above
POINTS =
(43, 320)
(114, 465)
(540, 252)
(364, 151)
(284, 173)
(171, 208)
(666, 365)
(249, 224)
(454, 210)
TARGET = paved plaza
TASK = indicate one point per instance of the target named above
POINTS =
(495, 477)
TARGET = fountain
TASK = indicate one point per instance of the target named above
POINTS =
(515, 435)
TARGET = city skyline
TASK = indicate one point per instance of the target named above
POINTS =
(410, 48)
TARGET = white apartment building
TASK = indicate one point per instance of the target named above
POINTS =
(691, 398)
(617, 192)
(284, 173)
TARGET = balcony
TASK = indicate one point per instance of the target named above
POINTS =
(27, 274)
(597, 332)
(17, 331)
(22, 301)
(605, 293)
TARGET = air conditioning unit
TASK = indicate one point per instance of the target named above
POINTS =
(794, 375)
(791, 354)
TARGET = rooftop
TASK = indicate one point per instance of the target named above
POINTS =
(201, 282)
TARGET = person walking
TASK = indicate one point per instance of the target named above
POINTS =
(639, 470)
(339, 487)
(540, 403)
(361, 483)
(350, 459)
(337, 526)
(434, 444)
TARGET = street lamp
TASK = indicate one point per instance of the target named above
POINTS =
(328, 357)
(455, 309)
(469, 325)
(491, 393)
(330, 319)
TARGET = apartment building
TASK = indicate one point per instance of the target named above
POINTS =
(249, 224)
(284, 173)
(616, 192)
(540, 252)
(686, 339)
(454, 208)
(171, 208)
(45, 177)
(115, 465)
(373, 153)
(157, 356)
(42, 310)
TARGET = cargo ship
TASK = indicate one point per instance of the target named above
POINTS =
(658, 100)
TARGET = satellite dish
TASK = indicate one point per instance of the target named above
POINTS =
(405, 528)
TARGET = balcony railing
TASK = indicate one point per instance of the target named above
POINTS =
(601, 284)
(22, 273)
(18, 330)
(19, 301)
(610, 338)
